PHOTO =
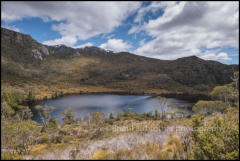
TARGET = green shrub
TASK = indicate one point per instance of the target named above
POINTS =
(10, 156)
(172, 149)
(19, 135)
(67, 139)
(97, 134)
(68, 116)
(100, 155)
(163, 124)
(111, 116)
(53, 123)
(57, 139)
(44, 140)
(219, 138)
(109, 121)
(63, 132)
(6, 110)
(206, 107)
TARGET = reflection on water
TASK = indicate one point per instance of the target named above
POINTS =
(109, 103)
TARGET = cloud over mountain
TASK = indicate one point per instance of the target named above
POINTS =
(116, 45)
(76, 20)
(187, 27)
(163, 30)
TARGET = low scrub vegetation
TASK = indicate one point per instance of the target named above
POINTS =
(213, 131)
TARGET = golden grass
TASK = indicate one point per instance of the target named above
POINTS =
(38, 149)
(100, 155)
(42, 90)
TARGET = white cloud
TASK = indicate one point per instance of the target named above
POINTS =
(187, 27)
(66, 40)
(142, 42)
(81, 20)
(213, 56)
(135, 29)
(83, 45)
(116, 45)
(184, 29)
(11, 28)
(143, 11)
(108, 36)
(153, 7)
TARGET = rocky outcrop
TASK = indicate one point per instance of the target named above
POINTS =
(44, 50)
(13, 37)
(77, 54)
(19, 38)
(40, 52)
(93, 50)
(60, 48)
(36, 54)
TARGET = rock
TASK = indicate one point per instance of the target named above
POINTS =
(76, 54)
(94, 50)
(36, 54)
(163, 78)
(19, 38)
(44, 50)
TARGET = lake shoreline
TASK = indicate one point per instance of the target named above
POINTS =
(87, 103)
(181, 96)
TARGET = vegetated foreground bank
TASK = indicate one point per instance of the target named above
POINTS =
(126, 135)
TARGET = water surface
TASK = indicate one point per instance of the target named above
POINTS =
(111, 103)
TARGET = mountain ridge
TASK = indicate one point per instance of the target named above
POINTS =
(26, 60)
(90, 48)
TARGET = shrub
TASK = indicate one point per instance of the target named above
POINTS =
(163, 124)
(68, 116)
(57, 139)
(19, 136)
(172, 149)
(109, 121)
(97, 134)
(67, 139)
(111, 116)
(10, 156)
(44, 140)
(206, 107)
(63, 132)
(219, 138)
(53, 123)
(223, 93)
(100, 155)
(6, 110)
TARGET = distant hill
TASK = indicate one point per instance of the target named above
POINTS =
(25, 61)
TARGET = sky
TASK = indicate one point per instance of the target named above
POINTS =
(160, 29)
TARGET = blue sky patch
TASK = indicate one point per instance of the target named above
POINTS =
(163, 30)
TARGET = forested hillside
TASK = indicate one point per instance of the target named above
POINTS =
(29, 64)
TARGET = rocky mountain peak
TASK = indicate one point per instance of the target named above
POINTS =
(94, 50)
(24, 43)
(14, 37)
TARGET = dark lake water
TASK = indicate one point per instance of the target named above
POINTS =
(111, 103)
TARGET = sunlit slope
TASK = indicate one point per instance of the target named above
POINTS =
(27, 62)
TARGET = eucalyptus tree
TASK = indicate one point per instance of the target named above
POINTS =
(44, 113)
(68, 116)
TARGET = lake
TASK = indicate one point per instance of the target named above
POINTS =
(111, 103)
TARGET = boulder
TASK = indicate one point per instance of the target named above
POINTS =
(44, 50)
(36, 54)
